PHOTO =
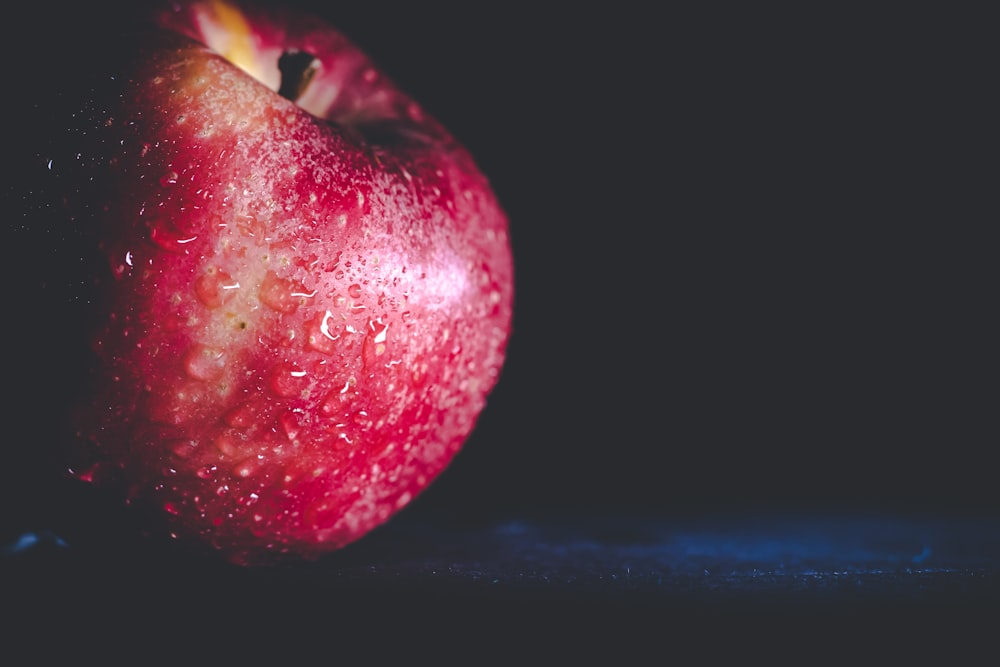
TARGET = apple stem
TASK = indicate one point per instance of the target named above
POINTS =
(297, 69)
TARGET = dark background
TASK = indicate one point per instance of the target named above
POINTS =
(753, 253)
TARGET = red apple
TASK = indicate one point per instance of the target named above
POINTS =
(308, 290)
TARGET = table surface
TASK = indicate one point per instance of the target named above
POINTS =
(605, 572)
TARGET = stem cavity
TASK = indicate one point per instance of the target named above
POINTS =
(297, 70)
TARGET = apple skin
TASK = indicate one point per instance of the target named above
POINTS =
(304, 303)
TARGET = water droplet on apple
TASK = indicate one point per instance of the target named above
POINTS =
(169, 178)
(354, 291)
(323, 332)
(288, 380)
(215, 287)
(165, 235)
(331, 404)
(207, 472)
(227, 444)
(246, 467)
(183, 448)
(374, 343)
(361, 419)
(379, 331)
(123, 268)
(282, 295)
(290, 425)
(335, 263)
(336, 399)
(242, 416)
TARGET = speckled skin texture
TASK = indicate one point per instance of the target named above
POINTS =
(301, 318)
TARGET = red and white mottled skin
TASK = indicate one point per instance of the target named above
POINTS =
(303, 318)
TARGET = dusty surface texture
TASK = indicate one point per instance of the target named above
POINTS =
(613, 572)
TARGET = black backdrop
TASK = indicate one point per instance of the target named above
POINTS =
(753, 258)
